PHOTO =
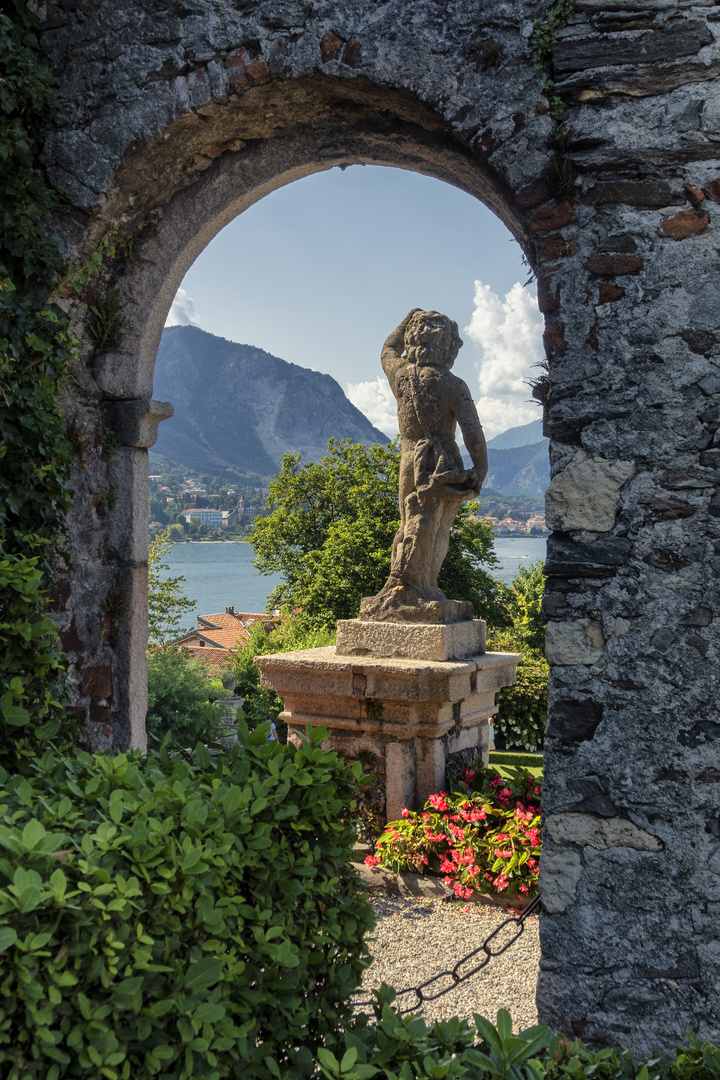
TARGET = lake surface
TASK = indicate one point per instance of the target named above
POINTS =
(221, 574)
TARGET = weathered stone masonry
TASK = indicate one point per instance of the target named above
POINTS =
(182, 114)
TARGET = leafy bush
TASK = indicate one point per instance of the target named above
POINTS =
(485, 838)
(179, 700)
(176, 919)
(521, 718)
(402, 1048)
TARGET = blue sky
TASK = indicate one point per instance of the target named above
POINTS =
(319, 273)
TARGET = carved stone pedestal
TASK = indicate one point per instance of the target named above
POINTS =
(415, 717)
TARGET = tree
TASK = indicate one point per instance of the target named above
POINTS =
(330, 528)
(528, 621)
(167, 603)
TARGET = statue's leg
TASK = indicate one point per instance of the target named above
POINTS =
(447, 512)
(407, 487)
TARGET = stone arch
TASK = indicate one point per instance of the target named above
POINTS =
(618, 215)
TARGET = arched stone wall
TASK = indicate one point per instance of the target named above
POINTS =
(182, 114)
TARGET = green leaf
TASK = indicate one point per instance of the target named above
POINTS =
(15, 716)
(32, 834)
(203, 973)
(8, 937)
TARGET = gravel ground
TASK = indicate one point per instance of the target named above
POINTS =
(416, 938)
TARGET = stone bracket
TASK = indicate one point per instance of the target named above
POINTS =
(135, 422)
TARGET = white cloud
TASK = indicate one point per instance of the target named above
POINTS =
(182, 311)
(375, 399)
(509, 332)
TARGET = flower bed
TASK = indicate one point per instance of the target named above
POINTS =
(484, 837)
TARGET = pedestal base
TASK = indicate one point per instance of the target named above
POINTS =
(413, 716)
(414, 641)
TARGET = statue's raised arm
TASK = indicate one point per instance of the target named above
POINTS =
(392, 351)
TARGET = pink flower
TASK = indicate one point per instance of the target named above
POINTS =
(497, 781)
(468, 775)
(501, 836)
(447, 867)
(372, 860)
(405, 812)
(501, 882)
(523, 888)
(438, 801)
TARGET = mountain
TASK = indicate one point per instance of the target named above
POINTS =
(518, 462)
(519, 470)
(525, 435)
(238, 406)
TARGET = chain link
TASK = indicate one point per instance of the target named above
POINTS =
(421, 991)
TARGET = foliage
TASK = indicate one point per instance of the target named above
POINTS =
(176, 919)
(543, 41)
(485, 837)
(528, 622)
(261, 705)
(179, 696)
(330, 530)
(35, 350)
(522, 709)
(167, 603)
(403, 1048)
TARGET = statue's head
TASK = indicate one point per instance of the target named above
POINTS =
(432, 339)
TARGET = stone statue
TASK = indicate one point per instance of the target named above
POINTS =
(417, 358)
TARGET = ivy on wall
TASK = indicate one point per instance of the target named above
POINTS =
(557, 14)
(35, 349)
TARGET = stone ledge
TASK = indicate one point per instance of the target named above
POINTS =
(377, 879)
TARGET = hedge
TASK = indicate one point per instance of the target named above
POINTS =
(168, 918)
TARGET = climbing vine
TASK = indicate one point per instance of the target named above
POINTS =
(35, 350)
(544, 38)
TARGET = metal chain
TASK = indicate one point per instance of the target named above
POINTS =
(420, 991)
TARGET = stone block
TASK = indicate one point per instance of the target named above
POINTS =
(585, 495)
(578, 641)
(587, 830)
(417, 641)
(560, 872)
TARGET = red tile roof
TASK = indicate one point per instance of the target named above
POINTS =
(226, 630)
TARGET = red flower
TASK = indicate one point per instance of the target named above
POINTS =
(438, 801)
(468, 775)
(372, 860)
(405, 812)
(497, 781)
(501, 882)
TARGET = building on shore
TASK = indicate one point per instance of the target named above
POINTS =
(217, 636)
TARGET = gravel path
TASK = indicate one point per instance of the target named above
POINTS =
(417, 938)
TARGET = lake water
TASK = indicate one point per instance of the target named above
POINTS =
(220, 574)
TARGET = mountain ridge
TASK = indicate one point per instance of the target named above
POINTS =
(239, 406)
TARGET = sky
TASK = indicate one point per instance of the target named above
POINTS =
(319, 273)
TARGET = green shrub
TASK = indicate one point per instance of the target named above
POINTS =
(179, 700)
(176, 919)
(484, 838)
(402, 1048)
(522, 709)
